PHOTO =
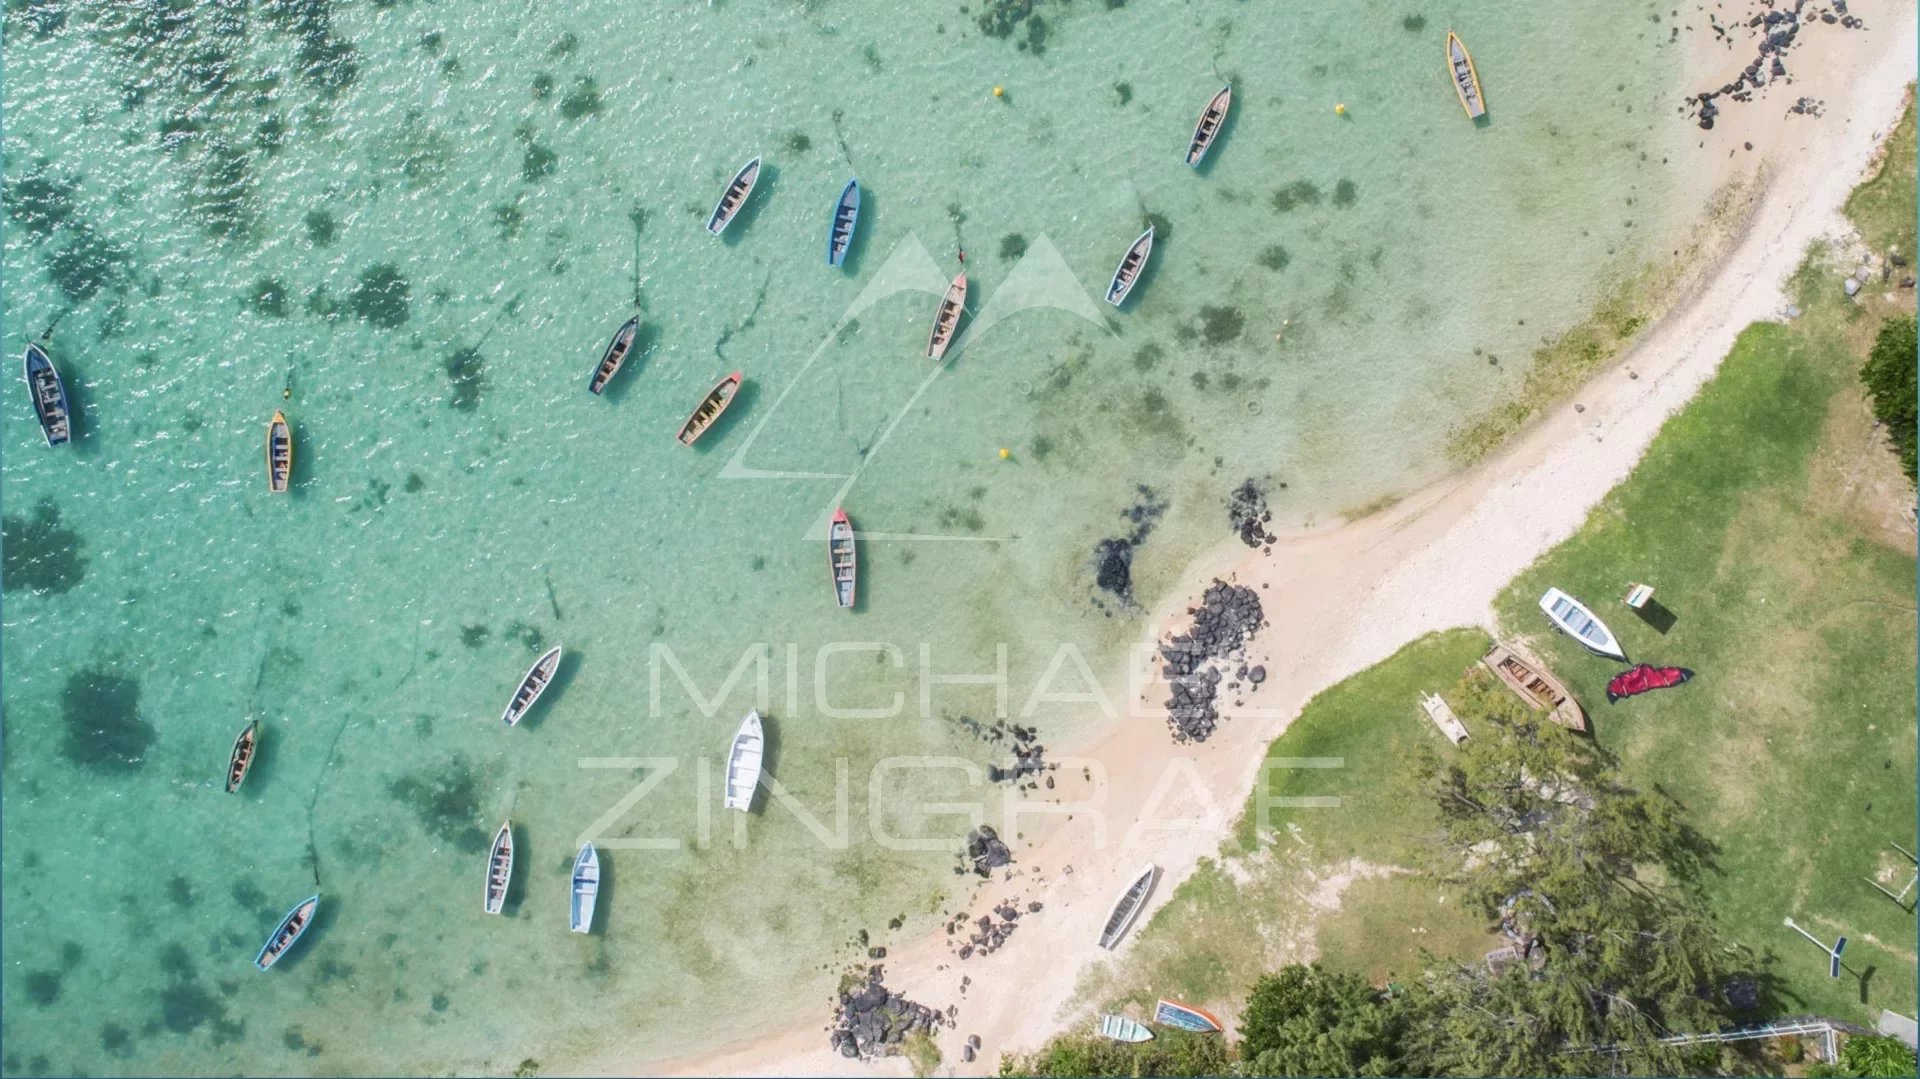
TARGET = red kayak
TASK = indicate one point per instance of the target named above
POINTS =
(1643, 678)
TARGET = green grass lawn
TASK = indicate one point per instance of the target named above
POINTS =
(1883, 207)
(1793, 748)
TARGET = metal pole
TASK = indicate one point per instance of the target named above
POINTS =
(1822, 944)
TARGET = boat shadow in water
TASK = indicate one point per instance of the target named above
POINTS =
(763, 186)
(645, 339)
(1484, 120)
(850, 265)
(742, 401)
(556, 688)
(1224, 135)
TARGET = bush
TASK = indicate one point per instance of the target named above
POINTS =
(1872, 1056)
(1172, 1053)
(1890, 379)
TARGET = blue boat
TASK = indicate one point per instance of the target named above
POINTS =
(1172, 1013)
(49, 396)
(288, 931)
(846, 214)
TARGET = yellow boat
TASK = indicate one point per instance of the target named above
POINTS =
(1466, 80)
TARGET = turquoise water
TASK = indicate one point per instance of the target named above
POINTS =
(213, 206)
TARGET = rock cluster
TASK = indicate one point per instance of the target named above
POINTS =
(1029, 759)
(1223, 625)
(985, 853)
(1247, 510)
(1113, 557)
(990, 930)
(871, 1021)
(1777, 28)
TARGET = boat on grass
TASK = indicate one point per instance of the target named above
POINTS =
(947, 319)
(586, 890)
(842, 559)
(49, 395)
(279, 454)
(1441, 713)
(288, 931)
(531, 687)
(1208, 128)
(1122, 1029)
(1172, 1013)
(744, 758)
(1127, 907)
(1466, 80)
(1579, 623)
(1532, 682)
(709, 409)
(846, 215)
(499, 869)
(1129, 269)
(241, 759)
(615, 355)
(734, 197)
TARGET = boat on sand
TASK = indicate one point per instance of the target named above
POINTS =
(1127, 907)
(1122, 1029)
(1172, 1013)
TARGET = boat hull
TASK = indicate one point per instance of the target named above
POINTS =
(846, 217)
(843, 566)
(499, 870)
(946, 321)
(1132, 899)
(531, 687)
(710, 409)
(585, 892)
(1466, 78)
(49, 394)
(290, 930)
(1573, 618)
(738, 190)
(614, 357)
(744, 759)
(1121, 1029)
(1208, 128)
(240, 760)
(1134, 261)
(1533, 683)
(1172, 1013)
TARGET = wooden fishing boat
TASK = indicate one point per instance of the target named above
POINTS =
(241, 759)
(499, 869)
(1172, 1013)
(710, 408)
(1441, 713)
(1531, 681)
(1129, 269)
(586, 890)
(846, 215)
(288, 931)
(1122, 1029)
(49, 395)
(1208, 128)
(1466, 80)
(842, 560)
(1579, 623)
(279, 454)
(615, 355)
(744, 758)
(947, 319)
(734, 197)
(1127, 907)
(530, 688)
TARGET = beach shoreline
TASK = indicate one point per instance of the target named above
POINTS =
(1342, 597)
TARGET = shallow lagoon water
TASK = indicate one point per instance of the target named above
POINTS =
(425, 220)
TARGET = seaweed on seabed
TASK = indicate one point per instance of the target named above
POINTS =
(467, 373)
(446, 799)
(38, 555)
(383, 296)
(104, 728)
(41, 200)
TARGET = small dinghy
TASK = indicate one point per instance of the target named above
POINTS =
(1127, 907)
(1122, 1029)
(499, 869)
(1130, 267)
(709, 410)
(1644, 678)
(534, 684)
(288, 931)
(1579, 623)
(734, 197)
(1531, 682)
(241, 759)
(947, 319)
(846, 215)
(743, 763)
(279, 454)
(841, 558)
(1208, 128)
(1172, 1013)
(49, 396)
(615, 355)
(586, 890)
(1466, 80)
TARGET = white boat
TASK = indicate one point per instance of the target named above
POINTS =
(1129, 269)
(734, 197)
(1122, 1029)
(530, 688)
(1579, 623)
(743, 763)
(1127, 907)
(499, 869)
(1442, 715)
(586, 890)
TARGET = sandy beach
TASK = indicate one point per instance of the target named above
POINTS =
(1345, 596)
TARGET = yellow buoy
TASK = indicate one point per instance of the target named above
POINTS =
(1005, 453)
(999, 91)
(1340, 109)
